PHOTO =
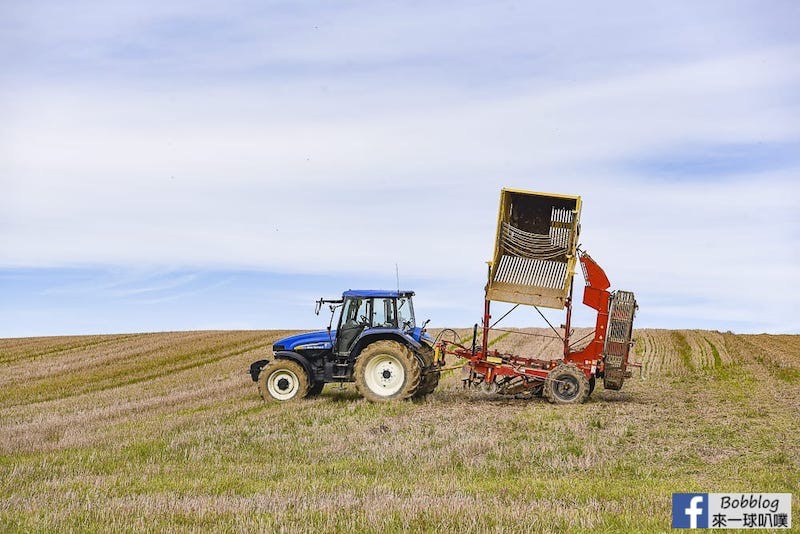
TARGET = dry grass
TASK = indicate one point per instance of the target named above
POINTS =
(166, 432)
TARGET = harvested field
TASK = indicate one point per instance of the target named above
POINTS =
(167, 432)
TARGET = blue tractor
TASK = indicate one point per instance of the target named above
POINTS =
(376, 344)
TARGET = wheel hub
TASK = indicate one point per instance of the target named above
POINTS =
(567, 388)
(385, 375)
(283, 384)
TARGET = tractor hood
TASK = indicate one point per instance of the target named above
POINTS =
(310, 340)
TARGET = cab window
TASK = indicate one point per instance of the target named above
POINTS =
(405, 313)
(383, 315)
(356, 309)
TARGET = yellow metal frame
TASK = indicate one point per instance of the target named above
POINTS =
(532, 295)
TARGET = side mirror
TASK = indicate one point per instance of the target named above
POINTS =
(424, 324)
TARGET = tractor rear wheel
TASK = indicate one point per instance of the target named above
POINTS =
(566, 384)
(282, 381)
(431, 380)
(386, 370)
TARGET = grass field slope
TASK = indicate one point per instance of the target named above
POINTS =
(167, 432)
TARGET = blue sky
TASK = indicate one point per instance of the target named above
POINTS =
(181, 165)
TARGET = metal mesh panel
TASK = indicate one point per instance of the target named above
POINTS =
(618, 338)
(531, 272)
(517, 242)
(561, 227)
(620, 317)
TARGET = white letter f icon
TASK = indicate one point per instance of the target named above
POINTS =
(693, 511)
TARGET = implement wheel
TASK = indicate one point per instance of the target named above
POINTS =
(566, 384)
(386, 370)
(282, 381)
(430, 380)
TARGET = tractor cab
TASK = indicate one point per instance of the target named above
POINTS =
(374, 312)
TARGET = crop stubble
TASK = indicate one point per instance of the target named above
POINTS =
(168, 431)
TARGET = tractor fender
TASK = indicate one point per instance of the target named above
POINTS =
(296, 357)
(255, 369)
(390, 335)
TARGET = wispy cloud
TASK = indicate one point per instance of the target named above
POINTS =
(162, 295)
(120, 283)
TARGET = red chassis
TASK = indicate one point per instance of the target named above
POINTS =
(571, 379)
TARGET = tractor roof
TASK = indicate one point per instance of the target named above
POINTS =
(376, 293)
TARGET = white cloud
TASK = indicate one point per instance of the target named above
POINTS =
(346, 140)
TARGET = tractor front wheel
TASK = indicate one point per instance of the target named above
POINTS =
(282, 381)
(566, 384)
(386, 370)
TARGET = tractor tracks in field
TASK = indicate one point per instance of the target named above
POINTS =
(131, 366)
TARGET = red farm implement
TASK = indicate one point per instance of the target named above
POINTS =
(534, 262)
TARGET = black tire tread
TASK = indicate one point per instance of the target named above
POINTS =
(430, 381)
